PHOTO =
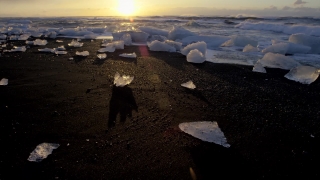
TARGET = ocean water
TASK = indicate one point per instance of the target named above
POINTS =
(261, 29)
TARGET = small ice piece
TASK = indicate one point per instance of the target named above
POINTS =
(240, 41)
(122, 80)
(16, 49)
(60, 52)
(176, 45)
(259, 68)
(42, 151)
(59, 41)
(272, 60)
(24, 36)
(40, 42)
(128, 55)
(206, 131)
(71, 58)
(179, 32)
(75, 43)
(102, 56)
(250, 48)
(157, 37)
(311, 41)
(195, 56)
(90, 36)
(4, 82)
(126, 39)
(83, 53)
(189, 85)
(60, 48)
(47, 50)
(201, 46)
(107, 49)
(118, 44)
(161, 46)
(303, 74)
(280, 48)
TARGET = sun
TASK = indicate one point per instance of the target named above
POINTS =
(126, 7)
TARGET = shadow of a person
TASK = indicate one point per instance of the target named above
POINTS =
(122, 102)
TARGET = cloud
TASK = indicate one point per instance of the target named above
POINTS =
(299, 2)
(286, 8)
(272, 7)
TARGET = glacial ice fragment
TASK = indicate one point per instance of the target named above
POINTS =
(122, 80)
(272, 60)
(259, 68)
(303, 74)
(206, 131)
(83, 53)
(40, 42)
(128, 55)
(75, 43)
(42, 151)
(195, 56)
(102, 56)
(201, 46)
(189, 85)
(4, 82)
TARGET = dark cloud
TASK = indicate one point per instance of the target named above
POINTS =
(299, 2)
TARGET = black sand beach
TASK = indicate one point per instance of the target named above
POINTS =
(271, 123)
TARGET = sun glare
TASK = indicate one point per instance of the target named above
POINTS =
(126, 7)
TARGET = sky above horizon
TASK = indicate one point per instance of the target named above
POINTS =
(42, 8)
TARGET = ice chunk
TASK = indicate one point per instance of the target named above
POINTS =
(240, 41)
(286, 48)
(250, 48)
(195, 56)
(83, 53)
(126, 38)
(179, 32)
(303, 74)
(102, 56)
(128, 55)
(160, 46)
(212, 41)
(122, 80)
(206, 131)
(75, 43)
(40, 42)
(60, 52)
(4, 82)
(36, 34)
(280, 48)
(24, 37)
(136, 36)
(59, 41)
(176, 45)
(201, 46)
(118, 44)
(272, 60)
(259, 68)
(60, 48)
(90, 36)
(109, 48)
(311, 41)
(189, 85)
(47, 50)
(157, 37)
(17, 49)
(42, 151)
(154, 31)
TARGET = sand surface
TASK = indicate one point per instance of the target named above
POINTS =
(108, 132)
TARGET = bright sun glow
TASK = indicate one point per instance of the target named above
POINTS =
(126, 7)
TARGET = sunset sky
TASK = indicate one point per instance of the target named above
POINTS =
(41, 8)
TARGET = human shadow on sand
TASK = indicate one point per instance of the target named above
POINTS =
(122, 102)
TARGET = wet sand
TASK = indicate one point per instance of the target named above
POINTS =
(108, 132)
